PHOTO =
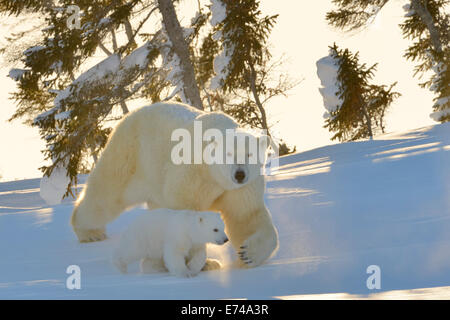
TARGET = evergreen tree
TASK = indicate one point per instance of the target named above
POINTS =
(243, 80)
(244, 64)
(356, 108)
(427, 24)
(145, 58)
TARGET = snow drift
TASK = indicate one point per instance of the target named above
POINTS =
(338, 210)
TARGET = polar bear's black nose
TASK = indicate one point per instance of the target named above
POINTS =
(239, 176)
(225, 240)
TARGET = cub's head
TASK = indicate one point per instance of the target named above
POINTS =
(209, 228)
(236, 159)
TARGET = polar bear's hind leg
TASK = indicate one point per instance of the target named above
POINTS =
(90, 235)
(102, 200)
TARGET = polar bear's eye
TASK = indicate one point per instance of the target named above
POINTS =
(216, 230)
(250, 155)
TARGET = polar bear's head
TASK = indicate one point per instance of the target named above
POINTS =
(208, 227)
(243, 156)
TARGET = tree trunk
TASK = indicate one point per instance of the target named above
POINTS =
(94, 156)
(114, 40)
(128, 30)
(427, 19)
(369, 123)
(181, 49)
(257, 100)
(367, 116)
(105, 50)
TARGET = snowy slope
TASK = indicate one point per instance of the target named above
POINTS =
(338, 210)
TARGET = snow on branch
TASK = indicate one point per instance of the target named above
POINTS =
(110, 70)
(438, 115)
(221, 63)
(17, 74)
(218, 12)
(225, 57)
(327, 70)
(409, 11)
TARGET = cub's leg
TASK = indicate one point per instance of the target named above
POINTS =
(197, 260)
(175, 262)
(122, 258)
(149, 265)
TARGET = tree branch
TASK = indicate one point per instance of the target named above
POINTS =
(105, 50)
(366, 115)
(427, 19)
(128, 30)
(252, 79)
(114, 40)
(124, 107)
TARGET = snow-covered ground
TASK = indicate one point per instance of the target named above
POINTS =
(338, 210)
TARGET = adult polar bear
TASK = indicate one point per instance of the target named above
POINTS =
(136, 167)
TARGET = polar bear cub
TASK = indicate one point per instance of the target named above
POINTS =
(173, 240)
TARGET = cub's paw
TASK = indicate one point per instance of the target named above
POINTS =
(90, 235)
(212, 264)
(184, 273)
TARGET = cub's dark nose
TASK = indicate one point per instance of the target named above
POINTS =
(239, 176)
(225, 240)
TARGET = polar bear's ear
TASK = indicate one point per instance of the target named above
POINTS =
(264, 142)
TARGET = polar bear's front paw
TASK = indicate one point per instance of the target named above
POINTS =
(256, 249)
(212, 264)
(90, 235)
(247, 257)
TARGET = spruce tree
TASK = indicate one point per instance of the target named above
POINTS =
(426, 24)
(148, 55)
(243, 66)
(355, 107)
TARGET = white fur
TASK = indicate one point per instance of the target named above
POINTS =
(169, 239)
(136, 167)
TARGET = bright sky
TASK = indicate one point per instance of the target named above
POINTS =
(303, 35)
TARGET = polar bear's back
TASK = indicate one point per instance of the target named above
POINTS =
(154, 122)
(173, 115)
(179, 115)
